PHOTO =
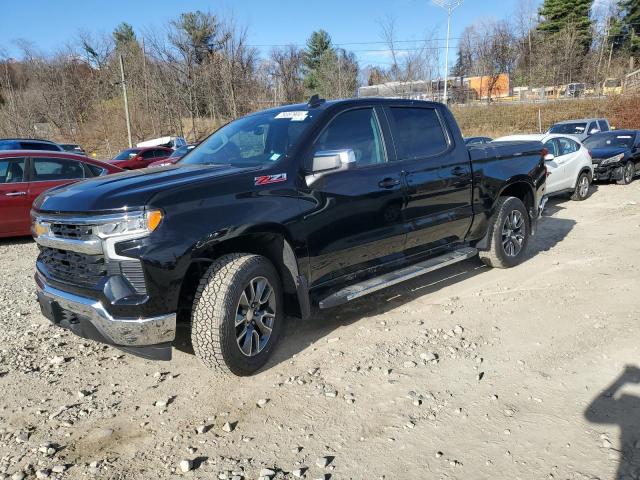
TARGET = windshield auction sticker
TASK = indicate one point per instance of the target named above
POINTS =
(296, 116)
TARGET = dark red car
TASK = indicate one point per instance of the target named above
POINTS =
(25, 174)
(134, 158)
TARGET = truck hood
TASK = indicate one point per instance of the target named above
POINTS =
(130, 189)
(607, 152)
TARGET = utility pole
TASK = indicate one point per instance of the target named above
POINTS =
(449, 6)
(126, 101)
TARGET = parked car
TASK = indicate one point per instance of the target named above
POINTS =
(174, 157)
(169, 142)
(581, 129)
(73, 148)
(477, 140)
(275, 213)
(25, 174)
(616, 155)
(569, 166)
(134, 158)
(29, 144)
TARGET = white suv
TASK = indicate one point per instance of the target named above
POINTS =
(569, 165)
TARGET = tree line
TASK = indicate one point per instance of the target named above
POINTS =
(187, 78)
(198, 71)
(559, 42)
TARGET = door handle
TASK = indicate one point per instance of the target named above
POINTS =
(459, 171)
(15, 194)
(389, 183)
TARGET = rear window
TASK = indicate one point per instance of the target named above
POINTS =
(418, 132)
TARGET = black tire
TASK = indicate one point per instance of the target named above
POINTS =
(214, 332)
(580, 193)
(496, 254)
(627, 174)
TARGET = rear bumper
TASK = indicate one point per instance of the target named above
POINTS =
(87, 317)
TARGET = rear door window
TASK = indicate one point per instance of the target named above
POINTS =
(147, 154)
(12, 170)
(567, 146)
(53, 169)
(417, 132)
(604, 126)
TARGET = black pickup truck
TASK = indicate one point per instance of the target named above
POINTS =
(276, 214)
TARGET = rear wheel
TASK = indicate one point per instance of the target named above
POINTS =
(582, 187)
(627, 174)
(508, 234)
(237, 314)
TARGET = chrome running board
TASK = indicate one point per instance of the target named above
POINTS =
(378, 283)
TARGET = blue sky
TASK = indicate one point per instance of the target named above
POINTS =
(49, 24)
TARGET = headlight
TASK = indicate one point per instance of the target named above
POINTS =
(135, 223)
(615, 159)
(40, 228)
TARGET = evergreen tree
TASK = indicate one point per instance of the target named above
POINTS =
(559, 14)
(124, 36)
(626, 28)
(318, 46)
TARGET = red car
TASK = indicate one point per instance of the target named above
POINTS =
(134, 158)
(25, 174)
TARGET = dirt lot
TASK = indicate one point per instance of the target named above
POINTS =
(471, 373)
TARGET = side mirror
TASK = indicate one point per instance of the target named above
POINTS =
(328, 161)
(593, 131)
(549, 157)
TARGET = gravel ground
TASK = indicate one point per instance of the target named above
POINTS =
(467, 373)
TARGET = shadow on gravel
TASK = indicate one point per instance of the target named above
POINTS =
(298, 335)
(614, 408)
(6, 242)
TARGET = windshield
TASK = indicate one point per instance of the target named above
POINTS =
(253, 141)
(612, 83)
(610, 139)
(126, 154)
(569, 128)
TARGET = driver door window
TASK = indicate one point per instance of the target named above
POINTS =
(357, 130)
(552, 147)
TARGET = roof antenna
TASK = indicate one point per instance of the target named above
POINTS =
(315, 101)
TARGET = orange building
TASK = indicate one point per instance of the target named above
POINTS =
(481, 86)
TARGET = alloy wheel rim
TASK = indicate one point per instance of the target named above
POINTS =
(513, 233)
(255, 316)
(584, 186)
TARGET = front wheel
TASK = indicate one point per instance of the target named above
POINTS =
(582, 187)
(508, 234)
(237, 314)
(627, 174)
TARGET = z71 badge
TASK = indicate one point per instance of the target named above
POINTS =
(269, 179)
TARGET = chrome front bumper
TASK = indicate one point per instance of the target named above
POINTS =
(125, 332)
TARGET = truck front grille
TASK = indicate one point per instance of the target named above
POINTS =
(74, 232)
(74, 268)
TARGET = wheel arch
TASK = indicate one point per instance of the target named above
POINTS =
(520, 189)
(268, 240)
